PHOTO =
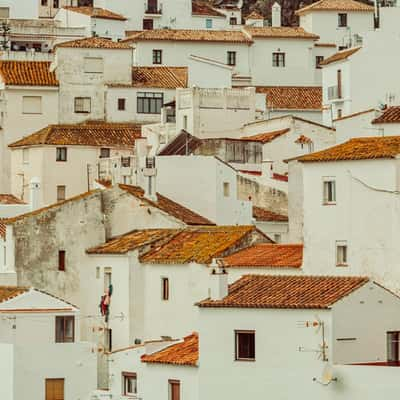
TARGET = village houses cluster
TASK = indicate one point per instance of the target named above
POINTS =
(198, 202)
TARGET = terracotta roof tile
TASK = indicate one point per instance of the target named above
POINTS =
(86, 134)
(254, 15)
(97, 12)
(302, 139)
(27, 73)
(302, 292)
(3, 228)
(199, 245)
(10, 199)
(340, 56)
(178, 211)
(356, 114)
(319, 44)
(202, 8)
(267, 136)
(277, 32)
(188, 35)
(183, 144)
(94, 43)
(132, 241)
(267, 255)
(336, 5)
(183, 353)
(262, 214)
(390, 116)
(160, 77)
(9, 292)
(363, 148)
(292, 97)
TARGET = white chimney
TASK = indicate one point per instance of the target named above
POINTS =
(34, 193)
(150, 174)
(218, 281)
(276, 14)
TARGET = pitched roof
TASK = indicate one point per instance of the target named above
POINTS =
(132, 241)
(183, 144)
(182, 353)
(190, 35)
(336, 5)
(267, 255)
(390, 116)
(340, 56)
(9, 292)
(254, 15)
(292, 97)
(266, 137)
(90, 133)
(10, 199)
(262, 214)
(97, 12)
(169, 206)
(27, 73)
(356, 114)
(279, 32)
(198, 245)
(202, 8)
(277, 291)
(160, 77)
(94, 43)
(362, 148)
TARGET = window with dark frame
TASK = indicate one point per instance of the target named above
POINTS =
(165, 289)
(82, 105)
(56, 4)
(61, 260)
(121, 104)
(61, 154)
(149, 103)
(318, 61)
(342, 20)
(65, 329)
(157, 56)
(245, 345)
(392, 348)
(129, 383)
(105, 152)
(174, 389)
(329, 191)
(108, 339)
(148, 24)
(231, 57)
(232, 21)
(44, 3)
(278, 59)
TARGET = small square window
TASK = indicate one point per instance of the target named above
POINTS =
(209, 23)
(278, 59)
(329, 191)
(341, 254)
(245, 345)
(165, 288)
(121, 104)
(65, 329)
(83, 105)
(157, 56)
(129, 384)
(61, 154)
(342, 20)
(61, 260)
(61, 192)
(104, 152)
(232, 21)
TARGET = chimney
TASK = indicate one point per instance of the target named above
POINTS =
(150, 173)
(218, 281)
(276, 14)
(34, 193)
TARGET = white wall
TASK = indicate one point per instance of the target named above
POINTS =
(7, 371)
(30, 10)
(200, 73)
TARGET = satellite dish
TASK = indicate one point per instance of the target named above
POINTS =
(326, 376)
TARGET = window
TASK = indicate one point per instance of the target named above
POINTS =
(339, 84)
(61, 190)
(61, 260)
(226, 189)
(4, 12)
(277, 238)
(174, 389)
(61, 154)
(392, 340)
(232, 21)
(278, 59)
(165, 288)
(31, 104)
(318, 61)
(108, 339)
(341, 253)
(185, 122)
(342, 20)
(157, 56)
(245, 345)
(147, 24)
(129, 384)
(56, 4)
(83, 105)
(54, 389)
(209, 23)
(121, 104)
(104, 153)
(329, 191)
(231, 57)
(25, 156)
(94, 65)
(149, 103)
(339, 113)
(65, 329)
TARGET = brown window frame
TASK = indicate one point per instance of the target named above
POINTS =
(61, 260)
(342, 20)
(121, 104)
(237, 355)
(171, 383)
(233, 21)
(64, 338)
(165, 288)
(157, 56)
(128, 375)
(279, 59)
(396, 359)
(61, 154)
(148, 24)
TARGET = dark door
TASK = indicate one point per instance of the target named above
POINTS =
(147, 24)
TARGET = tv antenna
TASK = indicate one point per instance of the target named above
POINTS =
(319, 327)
